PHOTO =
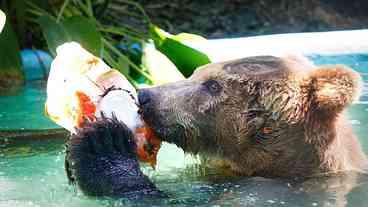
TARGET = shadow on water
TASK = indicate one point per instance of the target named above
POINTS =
(32, 174)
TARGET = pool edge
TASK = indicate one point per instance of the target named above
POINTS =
(57, 133)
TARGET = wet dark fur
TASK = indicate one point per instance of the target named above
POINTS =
(261, 116)
(101, 160)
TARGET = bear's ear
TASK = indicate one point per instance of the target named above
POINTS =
(332, 88)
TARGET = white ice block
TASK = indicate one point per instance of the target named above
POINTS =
(77, 85)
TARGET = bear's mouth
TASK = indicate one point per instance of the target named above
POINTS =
(162, 122)
(172, 133)
(169, 132)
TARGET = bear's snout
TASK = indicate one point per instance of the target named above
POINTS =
(144, 97)
(145, 101)
(146, 105)
(157, 111)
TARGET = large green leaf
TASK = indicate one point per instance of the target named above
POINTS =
(84, 31)
(54, 33)
(76, 28)
(20, 13)
(123, 66)
(159, 66)
(186, 58)
(11, 72)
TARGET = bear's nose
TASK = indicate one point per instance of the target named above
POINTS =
(144, 97)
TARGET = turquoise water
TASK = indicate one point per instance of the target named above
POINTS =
(32, 172)
(25, 109)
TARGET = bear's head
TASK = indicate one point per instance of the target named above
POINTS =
(264, 115)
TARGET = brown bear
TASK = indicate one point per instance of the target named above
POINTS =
(262, 116)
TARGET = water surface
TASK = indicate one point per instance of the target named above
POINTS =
(32, 172)
(25, 109)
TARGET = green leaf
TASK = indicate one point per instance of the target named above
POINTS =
(186, 58)
(20, 12)
(158, 35)
(11, 72)
(10, 59)
(159, 66)
(54, 33)
(84, 31)
(76, 28)
(123, 66)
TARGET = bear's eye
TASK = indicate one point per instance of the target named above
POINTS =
(213, 87)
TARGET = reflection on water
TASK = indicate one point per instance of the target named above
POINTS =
(32, 174)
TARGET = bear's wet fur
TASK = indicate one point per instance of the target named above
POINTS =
(101, 160)
(260, 116)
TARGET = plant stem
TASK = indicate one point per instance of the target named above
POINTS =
(122, 31)
(113, 64)
(89, 6)
(60, 14)
(85, 8)
(134, 66)
(36, 9)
